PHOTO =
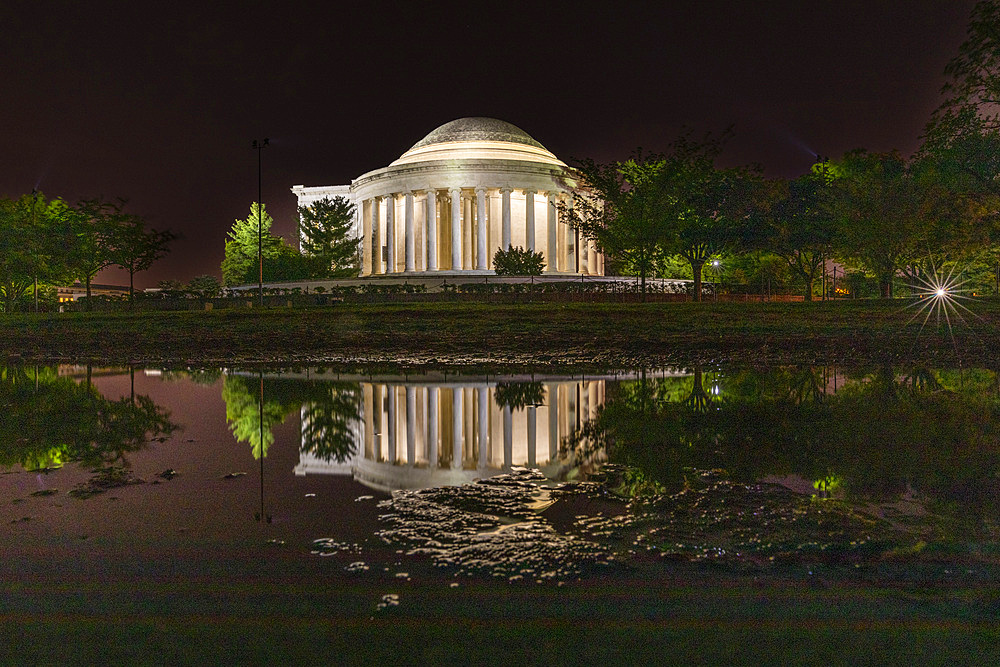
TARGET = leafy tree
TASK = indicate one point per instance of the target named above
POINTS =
(240, 265)
(205, 286)
(135, 248)
(330, 420)
(17, 253)
(92, 223)
(877, 204)
(33, 243)
(799, 229)
(518, 262)
(326, 235)
(618, 209)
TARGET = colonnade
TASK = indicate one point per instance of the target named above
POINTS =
(462, 427)
(460, 229)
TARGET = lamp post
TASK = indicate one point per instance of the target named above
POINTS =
(259, 146)
(717, 269)
(34, 232)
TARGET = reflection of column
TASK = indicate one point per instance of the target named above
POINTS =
(553, 400)
(484, 422)
(532, 436)
(456, 229)
(552, 251)
(432, 425)
(505, 217)
(456, 427)
(508, 438)
(391, 396)
(481, 229)
(529, 218)
(390, 232)
(377, 421)
(432, 231)
(411, 425)
(410, 248)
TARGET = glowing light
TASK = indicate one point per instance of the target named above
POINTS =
(939, 296)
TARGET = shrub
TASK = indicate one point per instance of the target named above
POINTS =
(518, 262)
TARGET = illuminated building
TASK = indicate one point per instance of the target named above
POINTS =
(467, 189)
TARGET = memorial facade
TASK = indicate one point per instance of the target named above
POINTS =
(467, 189)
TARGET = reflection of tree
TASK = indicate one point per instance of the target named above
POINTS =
(329, 419)
(329, 407)
(518, 395)
(49, 420)
(244, 414)
(878, 436)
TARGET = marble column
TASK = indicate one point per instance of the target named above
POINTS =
(456, 428)
(410, 246)
(529, 218)
(376, 240)
(456, 229)
(481, 229)
(390, 232)
(432, 231)
(432, 425)
(505, 219)
(468, 261)
(552, 251)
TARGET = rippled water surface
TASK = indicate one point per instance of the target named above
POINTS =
(208, 477)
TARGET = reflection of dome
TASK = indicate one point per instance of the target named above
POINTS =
(477, 129)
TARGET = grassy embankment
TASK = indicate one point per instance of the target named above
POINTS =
(589, 333)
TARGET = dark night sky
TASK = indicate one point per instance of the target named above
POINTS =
(158, 102)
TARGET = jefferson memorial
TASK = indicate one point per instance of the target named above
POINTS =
(467, 189)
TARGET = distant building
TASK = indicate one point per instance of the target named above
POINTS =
(79, 290)
(468, 188)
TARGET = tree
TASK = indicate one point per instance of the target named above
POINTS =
(704, 209)
(616, 207)
(888, 214)
(17, 261)
(799, 229)
(206, 286)
(135, 248)
(326, 235)
(92, 224)
(518, 262)
(241, 264)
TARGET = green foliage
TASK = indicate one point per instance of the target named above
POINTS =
(133, 247)
(518, 395)
(518, 261)
(50, 420)
(207, 287)
(326, 237)
(241, 265)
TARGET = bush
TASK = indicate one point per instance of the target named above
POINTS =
(518, 262)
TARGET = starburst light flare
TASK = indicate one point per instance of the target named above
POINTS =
(939, 296)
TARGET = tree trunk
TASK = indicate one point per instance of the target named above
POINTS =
(88, 292)
(696, 272)
(809, 289)
(885, 288)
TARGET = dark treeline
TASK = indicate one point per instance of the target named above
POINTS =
(47, 242)
(882, 217)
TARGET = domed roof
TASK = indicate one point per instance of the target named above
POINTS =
(478, 139)
(477, 129)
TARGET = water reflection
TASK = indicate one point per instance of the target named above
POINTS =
(879, 434)
(417, 432)
(53, 415)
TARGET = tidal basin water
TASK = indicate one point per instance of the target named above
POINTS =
(189, 512)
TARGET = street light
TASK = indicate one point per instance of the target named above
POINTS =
(259, 146)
